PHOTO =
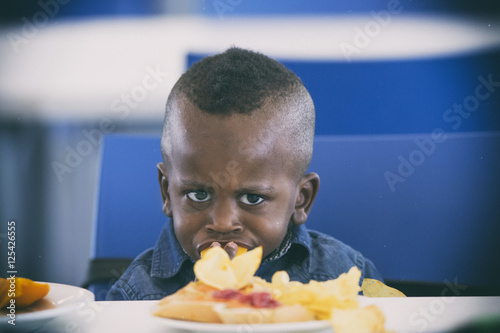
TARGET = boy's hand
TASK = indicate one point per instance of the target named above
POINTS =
(231, 248)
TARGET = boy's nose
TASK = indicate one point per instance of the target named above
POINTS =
(224, 220)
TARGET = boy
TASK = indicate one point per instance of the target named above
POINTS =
(236, 144)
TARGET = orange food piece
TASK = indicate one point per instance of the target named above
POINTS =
(26, 291)
(4, 289)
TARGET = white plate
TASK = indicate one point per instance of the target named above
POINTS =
(304, 326)
(61, 300)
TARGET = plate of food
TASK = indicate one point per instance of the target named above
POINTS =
(38, 302)
(228, 297)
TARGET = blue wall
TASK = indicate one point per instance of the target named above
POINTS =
(14, 10)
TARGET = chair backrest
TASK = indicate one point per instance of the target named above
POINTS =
(421, 210)
(129, 213)
(437, 222)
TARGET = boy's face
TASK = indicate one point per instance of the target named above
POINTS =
(229, 179)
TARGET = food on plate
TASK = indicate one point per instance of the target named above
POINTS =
(226, 291)
(202, 303)
(358, 320)
(22, 291)
(319, 297)
(375, 288)
(250, 315)
(217, 270)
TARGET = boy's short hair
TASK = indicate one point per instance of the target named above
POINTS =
(240, 81)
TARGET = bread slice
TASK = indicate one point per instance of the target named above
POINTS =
(252, 315)
(200, 311)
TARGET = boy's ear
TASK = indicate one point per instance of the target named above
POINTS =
(163, 180)
(308, 188)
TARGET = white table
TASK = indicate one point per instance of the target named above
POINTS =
(412, 314)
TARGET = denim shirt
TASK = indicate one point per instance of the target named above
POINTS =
(306, 255)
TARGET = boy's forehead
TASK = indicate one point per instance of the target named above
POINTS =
(189, 122)
(257, 138)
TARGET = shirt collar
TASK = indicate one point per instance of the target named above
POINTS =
(302, 239)
(300, 236)
(168, 254)
(295, 235)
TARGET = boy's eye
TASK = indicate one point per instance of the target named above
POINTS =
(199, 196)
(251, 199)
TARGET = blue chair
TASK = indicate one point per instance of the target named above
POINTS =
(128, 213)
(438, 227)
(437, 223)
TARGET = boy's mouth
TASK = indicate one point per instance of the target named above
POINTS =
(223, 244)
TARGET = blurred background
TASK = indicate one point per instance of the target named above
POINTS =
(73, 70)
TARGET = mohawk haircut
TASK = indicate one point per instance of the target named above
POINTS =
(235, 81)
(240, 81)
